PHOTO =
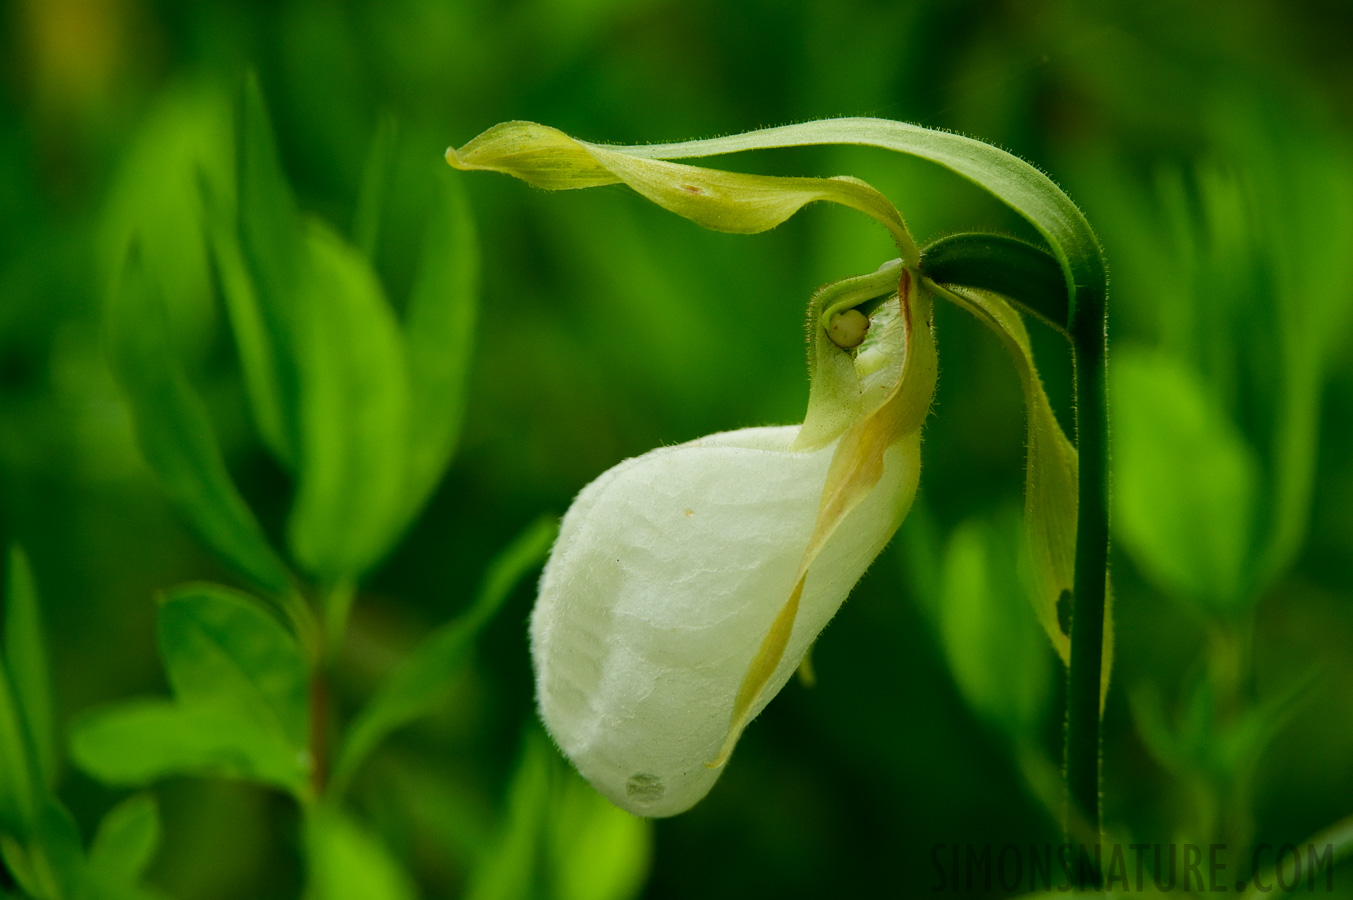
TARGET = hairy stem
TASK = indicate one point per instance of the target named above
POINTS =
(1084, 675)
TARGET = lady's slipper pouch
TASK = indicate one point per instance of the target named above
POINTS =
(672, 568)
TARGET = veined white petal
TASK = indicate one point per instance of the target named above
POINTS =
(667, 573)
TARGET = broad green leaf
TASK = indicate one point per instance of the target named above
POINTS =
(142, 741)
(510, 870)
(26, 658)
(222, 649)
(1050, 486)
(439, 335)
(994, 649)
(127, 838)
(346, 862)
(174, 431)
(724, 201)
(272, 251)
(1186, 483)
(423, 681)
(354, 414)
(594, 850)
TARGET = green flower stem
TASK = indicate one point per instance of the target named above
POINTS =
(1088, 337)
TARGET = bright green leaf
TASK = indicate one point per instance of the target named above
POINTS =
(998, 658)
(141, 741)
(127, 838)
(348, 863)
(439, 335)
(222, 648)
(510, 869)
(1186, 482)
(175, 432)
(595, 850)
(375, 184)
(425, 679)
(354, 414)
(25, 656)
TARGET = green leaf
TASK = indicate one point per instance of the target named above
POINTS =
(141, 741)
(19, 779)
(355, 414)
(1027, 275)
(994, 649)
(439, 335)
(175, 432)
(376, 178)
(127, 838)
(272, 249)
(510, 869)
(425, 679)
(348, 863)
(594, 850)
(26, 658)
(1186, 483)
(222, 648)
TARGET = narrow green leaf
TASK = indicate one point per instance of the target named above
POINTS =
(1186, 483)
(127, 838)
(510, 869)
(355, 415)
(375, 184)
(1029, 276)
(439, 335)
(595, 851)
(26, 658)
(260, 334)
(272, 249)
(348, 863)
(427, 676)
(222, 648)
(141, 741)
(174, 431)
(19, 778)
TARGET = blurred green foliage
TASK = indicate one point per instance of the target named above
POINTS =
(171, 411)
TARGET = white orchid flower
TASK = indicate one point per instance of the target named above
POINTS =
(687, 584)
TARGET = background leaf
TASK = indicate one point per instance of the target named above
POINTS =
(175, 431)
(355, 415)
(127, 838)
(26, 659)
(423, 681)
(348, 863)
(1187, 482)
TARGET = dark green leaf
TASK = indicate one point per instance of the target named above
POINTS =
(26, 658)
(175, 432)
(272, 251)
(355, 415)
(127, 838)
(427, 676)
(348, 863)
(19, 781)
(376, 178)
(439, 334)
(222, 648)
(141, 741)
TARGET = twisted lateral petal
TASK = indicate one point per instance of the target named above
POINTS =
(724, 201)
(668, 573)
